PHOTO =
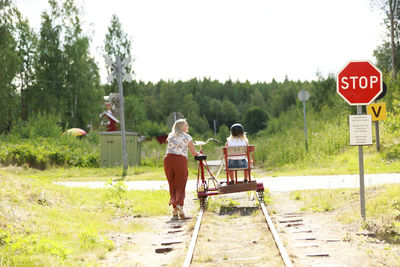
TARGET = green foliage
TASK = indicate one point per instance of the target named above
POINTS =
(27, 49)
(256, 119)
(152, 128)
(43, 153)
(117, 42)
(135, 116)
(223, 133)
(47, 94)
(90, 238)
(392, 122)
(214, 205)
(30, 244)
(153, 153)
(383, 213)
(70, 229)
(39, 143)
(383, 57)
(393, 152)
(8, 70)
(117, 189)
(39, 125)
(283, 141)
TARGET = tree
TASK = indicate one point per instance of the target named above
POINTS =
(67, 78)
(216, 112)
(117, 44)
(135, 113)
(82, 81)
(192, 111)
(48, 95)
(8, 68)
(169, 98)
(26, 49)
(256, 98)
(230, 113)
(255, 119)
(391, 10)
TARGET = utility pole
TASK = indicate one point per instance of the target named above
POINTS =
(117, 71)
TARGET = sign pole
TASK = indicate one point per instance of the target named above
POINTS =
(121, 101)
(305, 124)
(377, 136)
(303, 96)
(361, 171)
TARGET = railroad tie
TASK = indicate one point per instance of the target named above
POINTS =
(291, 220)
(306, 238)
(318, 254)
(307, 245)
(298, 231)
(170, 242)
(164, 250)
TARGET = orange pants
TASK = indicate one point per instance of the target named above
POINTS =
(175, 168)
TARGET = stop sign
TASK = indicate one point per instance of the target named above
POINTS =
(359, 83)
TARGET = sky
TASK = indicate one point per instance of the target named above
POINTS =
(254, 40)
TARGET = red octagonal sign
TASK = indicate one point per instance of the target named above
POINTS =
(359, 83)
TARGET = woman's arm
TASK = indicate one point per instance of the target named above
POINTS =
(192, 149)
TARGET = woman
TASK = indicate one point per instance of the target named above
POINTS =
(175, 165)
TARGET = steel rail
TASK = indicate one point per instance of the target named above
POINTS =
(281, 248)
(189, 255)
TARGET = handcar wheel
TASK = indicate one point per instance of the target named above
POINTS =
(203, 202)
(260, 195)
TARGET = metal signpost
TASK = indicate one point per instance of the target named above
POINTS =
(304, 96)
(117, 71)
(360, 83)
(378, 113)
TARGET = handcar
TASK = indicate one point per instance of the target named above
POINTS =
(208, 185)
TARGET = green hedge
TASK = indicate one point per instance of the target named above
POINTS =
(42, 153)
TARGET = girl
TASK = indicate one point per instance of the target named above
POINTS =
(237, 138)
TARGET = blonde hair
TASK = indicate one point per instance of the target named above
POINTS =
(177, 128)
(239, 137)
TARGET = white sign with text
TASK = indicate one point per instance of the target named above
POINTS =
(360, 130)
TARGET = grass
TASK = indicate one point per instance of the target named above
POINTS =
(382, 207)
(45, 224)
(346, 162)
(48, 225)
(141, 173)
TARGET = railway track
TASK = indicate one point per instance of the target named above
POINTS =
(235, 239)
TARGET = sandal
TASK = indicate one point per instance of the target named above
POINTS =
(174, 215)
(181, 213)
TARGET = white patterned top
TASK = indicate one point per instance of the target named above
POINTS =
(178, 144)
(237, 142)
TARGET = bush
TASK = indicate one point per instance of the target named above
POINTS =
(42, 153)
(151, 129)
(37, 126)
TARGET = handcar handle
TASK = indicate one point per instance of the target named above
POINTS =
(200, 157)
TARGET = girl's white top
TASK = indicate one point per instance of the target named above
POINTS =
(237, 142)
(178, 144)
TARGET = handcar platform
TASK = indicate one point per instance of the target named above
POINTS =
(240, 187)
(210, 186)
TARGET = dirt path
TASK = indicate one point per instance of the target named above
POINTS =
(237, 240)
(319, 239)
(139, 249)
